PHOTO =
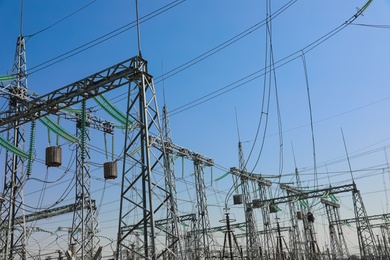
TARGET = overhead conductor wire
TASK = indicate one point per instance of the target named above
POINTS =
(259, 73)
(311, 121)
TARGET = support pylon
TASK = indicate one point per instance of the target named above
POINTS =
(84, 219)
(203, 238)
(367, 244)
(142, 195)
(338, 243)
(12, 232)
(174, 247)
(252, 238)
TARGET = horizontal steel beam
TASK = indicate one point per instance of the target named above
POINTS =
(320, 193)
(111, 78)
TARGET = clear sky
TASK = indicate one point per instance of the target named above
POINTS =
(211, 54)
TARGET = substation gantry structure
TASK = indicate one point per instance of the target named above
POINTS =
(252, 240)
(12, 230)
(139, 189)
(255, 249)
(367, 243)
(383, 249)
(200, 239)
(14, 238)
(310, 242)
(338, 244)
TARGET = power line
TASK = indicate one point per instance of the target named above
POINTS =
(102, 38)
(59, 21)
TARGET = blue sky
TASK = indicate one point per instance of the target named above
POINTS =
(347, 79)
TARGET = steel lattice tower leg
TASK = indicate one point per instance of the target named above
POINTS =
(268, 239)
(295, 234)
(203, 239)
(337, 239)
(13, 233)
(84, 220)
(367, 245)
(252, 239)
(173, 242)
(143, 169)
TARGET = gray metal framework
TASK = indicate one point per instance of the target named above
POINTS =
(200, 238)
(13, 229)
(49, 213)
(367, 244)
(366, 237)
(84, 219)
(173, 244)
(311, 246)
(268, 241)
(295, 241)
(142, 193)
(338, 243)
(252, 239)
(32, 106)
(200, 161)
(302, 194)
(203, 240)
(255, 249)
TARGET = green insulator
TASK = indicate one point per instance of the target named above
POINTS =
(83, 128)
(113, 111)
(12, 148)
(31, 148)
(49, 123)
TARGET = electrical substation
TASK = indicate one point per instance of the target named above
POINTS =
(111, 129)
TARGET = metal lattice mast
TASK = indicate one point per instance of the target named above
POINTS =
(384, 229)
(268, 239)
(143, 169)
(295, 241)
(13, 233)
(366, 237)
(338, 244)
(263, 187)
(200, 161)
(203, 238)
(252, 238)
(189, 240)
(311, 246)
(173, 242)
(306, 227)
(85, 218)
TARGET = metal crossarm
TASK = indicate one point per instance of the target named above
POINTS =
(111, 78)
(306, 195)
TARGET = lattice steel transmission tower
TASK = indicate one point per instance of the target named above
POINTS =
(142, 195)
(339, 248)
(295, 241)
(307, 217)
(268, 243)
(203, 238)
(13, 231)
(200, 233)
(84, 219)
(174, 246)
(252, 238)
(367, 245)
